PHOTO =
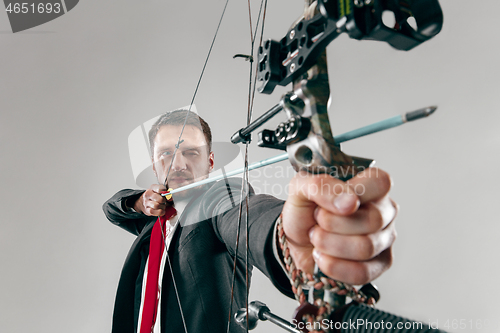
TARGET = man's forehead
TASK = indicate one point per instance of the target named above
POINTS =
(168, 135)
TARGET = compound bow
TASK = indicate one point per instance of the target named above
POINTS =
(300, 58)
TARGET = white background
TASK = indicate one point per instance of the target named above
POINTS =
(73, 89)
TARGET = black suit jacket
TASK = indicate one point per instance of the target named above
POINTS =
(202, 257)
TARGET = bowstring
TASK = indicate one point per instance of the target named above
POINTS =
(245, 186)
(179, 142)
(195, 92)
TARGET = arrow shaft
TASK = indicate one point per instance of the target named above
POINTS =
(354, 134)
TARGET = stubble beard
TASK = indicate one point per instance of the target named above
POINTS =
(186, 194)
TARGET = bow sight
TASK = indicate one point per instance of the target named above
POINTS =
(299, 58)
(414, 22)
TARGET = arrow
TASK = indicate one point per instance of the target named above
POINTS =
(354, 134)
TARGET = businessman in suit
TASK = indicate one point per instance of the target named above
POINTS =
(347, 233)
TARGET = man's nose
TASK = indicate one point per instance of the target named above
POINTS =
(179, 162)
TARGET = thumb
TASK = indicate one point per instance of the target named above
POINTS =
(307, 193)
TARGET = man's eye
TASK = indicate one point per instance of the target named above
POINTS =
(166, 153)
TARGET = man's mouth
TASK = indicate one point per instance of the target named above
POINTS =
(180, 180)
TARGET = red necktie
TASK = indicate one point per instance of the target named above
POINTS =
(156, 248)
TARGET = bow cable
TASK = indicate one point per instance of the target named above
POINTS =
(244, 184)
(179, 141)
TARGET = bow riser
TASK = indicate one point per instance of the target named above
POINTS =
(318, 152)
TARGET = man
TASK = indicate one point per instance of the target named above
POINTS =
(348, 234)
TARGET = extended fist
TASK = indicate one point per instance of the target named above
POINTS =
(344, 227)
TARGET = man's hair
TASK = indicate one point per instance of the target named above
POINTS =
(177, 118)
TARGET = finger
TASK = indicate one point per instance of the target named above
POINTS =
(154, 208)
(155, 197)
(354, 272)
(151, 195)
(308, 190)
(369, 218)
(157, 188)
(353, 247)
(155, 212)
(156, 205)
(371, 184)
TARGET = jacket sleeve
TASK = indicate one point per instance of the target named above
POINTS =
(119, 214)
(223, 201)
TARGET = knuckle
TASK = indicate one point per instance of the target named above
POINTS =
(394, 233)
(316, 239)
(384, 180)
(321, 241)
(366, 248)
(155, 212)
(395, 207)
(375, 218)
(361, 275)
(328, 267)
(323, 246)
(323, 219)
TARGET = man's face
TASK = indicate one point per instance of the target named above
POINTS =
(192, 161)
